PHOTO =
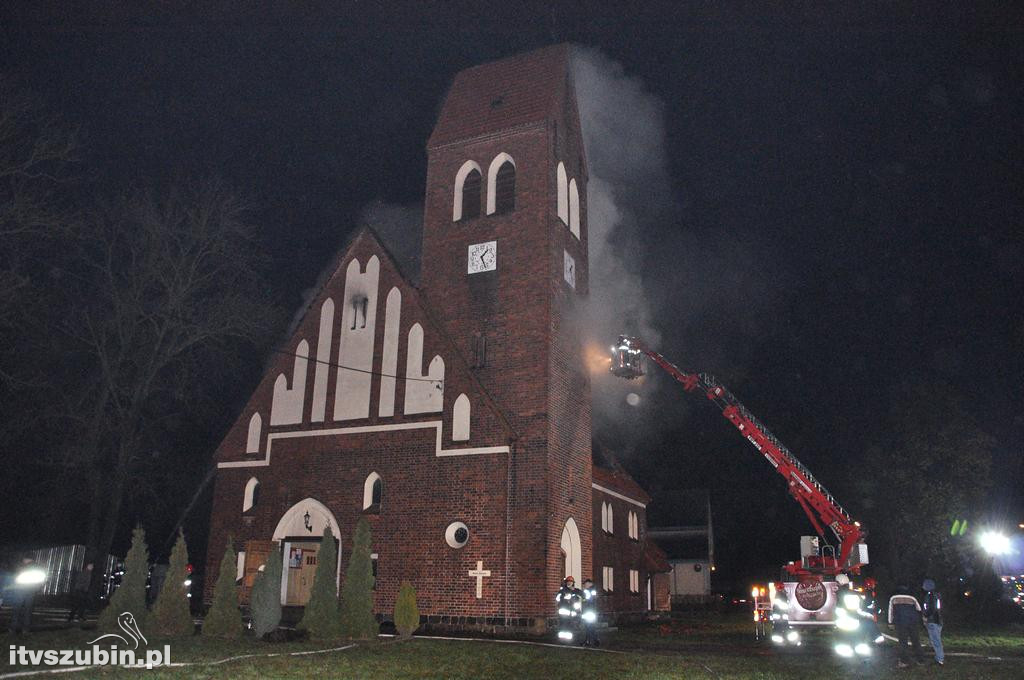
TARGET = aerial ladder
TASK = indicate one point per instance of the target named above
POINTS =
(810, 583)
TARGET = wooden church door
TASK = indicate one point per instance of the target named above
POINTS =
(302, 563)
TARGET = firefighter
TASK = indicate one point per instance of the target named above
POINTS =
(855, 625)
(589, 615)
(570, 607)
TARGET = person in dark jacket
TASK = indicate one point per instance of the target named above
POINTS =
(931, 612)
(80, 593)
(905, 614)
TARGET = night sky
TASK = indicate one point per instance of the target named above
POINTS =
(837, 213)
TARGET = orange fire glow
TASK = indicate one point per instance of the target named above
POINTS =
(596, 358)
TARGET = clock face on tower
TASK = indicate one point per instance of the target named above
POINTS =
(570, 269)
(483, 257)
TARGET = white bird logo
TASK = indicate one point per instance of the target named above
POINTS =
(126, 622)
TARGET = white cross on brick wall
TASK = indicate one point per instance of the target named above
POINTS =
(479, 573)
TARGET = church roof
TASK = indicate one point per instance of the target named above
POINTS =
(610, 474)
(503, 94)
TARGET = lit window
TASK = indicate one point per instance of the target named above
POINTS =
(611, 520)
(634, 581)
(608, 579)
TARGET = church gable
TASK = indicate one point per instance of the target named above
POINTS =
(367, 357)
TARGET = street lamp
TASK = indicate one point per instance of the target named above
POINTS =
(995, 543)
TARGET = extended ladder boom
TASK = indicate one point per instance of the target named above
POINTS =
(819, 505)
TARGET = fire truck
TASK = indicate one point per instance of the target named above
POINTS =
(809, 595)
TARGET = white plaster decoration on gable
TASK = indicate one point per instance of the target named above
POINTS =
(250, 492)
(240, 566)
(424, 392)
(460, 419)
(252, 442)
(355, 351)
(563, 194)
(618, 495)
(492, 176)
(368, 489)
(323, 361)
(286, 407)
(574, 208)
(570, 545)
(460, 181)
(439, 451)
(389, 354)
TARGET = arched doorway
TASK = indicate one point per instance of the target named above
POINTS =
(571, 551)
(300, 533)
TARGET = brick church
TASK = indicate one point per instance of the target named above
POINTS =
(453, 410)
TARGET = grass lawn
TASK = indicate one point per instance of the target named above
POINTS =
(719, 647)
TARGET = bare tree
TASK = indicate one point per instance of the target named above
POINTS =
(37, 153)
(164, 284)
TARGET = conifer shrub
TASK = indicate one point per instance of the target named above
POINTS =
(357, 618)
(130, 596)
(320, 620)
(407, 614)
(265, 598)
(171, 616)
(223, 619)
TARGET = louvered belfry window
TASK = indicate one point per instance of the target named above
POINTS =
(471, 195)
(505, 189)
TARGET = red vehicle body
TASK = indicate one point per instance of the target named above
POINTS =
(809, 585)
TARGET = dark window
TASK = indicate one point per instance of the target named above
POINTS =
(373, 564)
(256, 494)
(479, 350)
(471, 195)
(505, 189)
(375, 493)
(461, 535)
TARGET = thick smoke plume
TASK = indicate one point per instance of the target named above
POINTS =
(629, 201)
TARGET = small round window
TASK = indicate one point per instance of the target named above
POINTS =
(456, 535)
(698, 566)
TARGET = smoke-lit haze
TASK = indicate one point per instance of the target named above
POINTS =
(628, 200)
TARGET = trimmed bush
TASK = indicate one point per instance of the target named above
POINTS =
(407, 614)
(265, 598)
(320, 619)
(357, 618)
(130, 596)
(171, 615)
(223, 619)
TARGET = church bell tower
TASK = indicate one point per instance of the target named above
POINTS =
(504, 264)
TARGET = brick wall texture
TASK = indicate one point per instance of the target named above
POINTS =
(531, 392)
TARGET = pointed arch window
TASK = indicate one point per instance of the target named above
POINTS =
(468, 192)
(501, 185)
(373, 491)
(505, 189)
(252, 494)
(574, 208)
(561, 183)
